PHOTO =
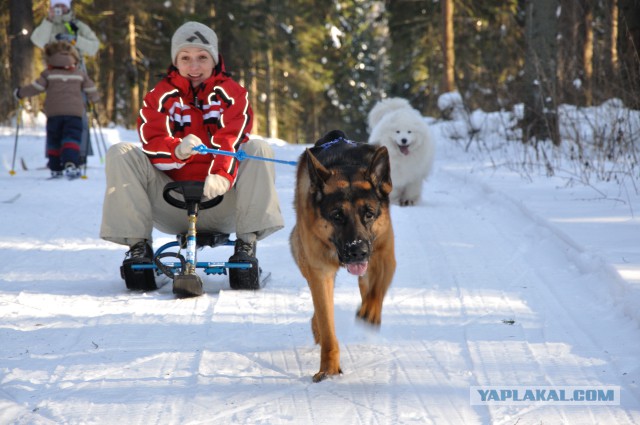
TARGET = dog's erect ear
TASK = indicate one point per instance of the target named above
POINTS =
(318, 174)
(379, 172)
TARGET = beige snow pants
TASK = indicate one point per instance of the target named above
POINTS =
(133, 202)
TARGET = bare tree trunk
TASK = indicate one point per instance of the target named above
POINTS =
(316, 121)
(271, 114)
(540, 120)
(587, 53)
(106, 68)
(569, 52)
(629, 46)
(402, 40)
(133, 80)
(448, 83)
(6, 102)
(227, 44)
(253, 93)
(20, 29)
(109, 79)
(575, 52)
(612, 64)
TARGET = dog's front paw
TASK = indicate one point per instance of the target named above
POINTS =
(369, 312)
(322, 375)
(407, 203)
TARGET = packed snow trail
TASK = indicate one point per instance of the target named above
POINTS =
(484, 294)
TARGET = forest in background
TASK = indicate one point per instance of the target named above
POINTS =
(311, 66)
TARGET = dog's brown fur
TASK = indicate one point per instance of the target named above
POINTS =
(342, 219)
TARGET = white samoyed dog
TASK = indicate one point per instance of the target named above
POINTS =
(394, 123)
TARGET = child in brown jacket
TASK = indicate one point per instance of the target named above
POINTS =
(64, 83)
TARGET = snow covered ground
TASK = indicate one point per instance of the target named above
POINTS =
(501, 282)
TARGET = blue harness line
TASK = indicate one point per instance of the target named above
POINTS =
(240, 155)
(337, 140)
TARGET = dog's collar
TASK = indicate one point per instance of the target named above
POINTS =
(337, 140)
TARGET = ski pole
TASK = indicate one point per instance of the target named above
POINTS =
(240, 155)
(92, 125)
(15, 144)
(104, 144)
(98, 144)
(86, 118)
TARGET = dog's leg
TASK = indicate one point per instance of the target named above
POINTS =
(323, 326)
(394, 197)
(321, 282)
(412, 193)
(374, 285)
(315, 328)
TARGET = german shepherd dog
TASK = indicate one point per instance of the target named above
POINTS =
(342, 219)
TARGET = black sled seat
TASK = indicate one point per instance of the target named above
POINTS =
(191, 191)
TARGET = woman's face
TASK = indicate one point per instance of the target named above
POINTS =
(195, 64)
(59, 9)
(59, 13)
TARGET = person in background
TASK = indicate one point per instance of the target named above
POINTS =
(62, 25)
(197, 103)
(65, 85)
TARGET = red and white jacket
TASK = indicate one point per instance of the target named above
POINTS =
(217, 111)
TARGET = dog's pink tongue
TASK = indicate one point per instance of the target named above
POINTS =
(357, 268)
(404, 150)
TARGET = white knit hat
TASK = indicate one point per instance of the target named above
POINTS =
(62, 2)
(194, 34)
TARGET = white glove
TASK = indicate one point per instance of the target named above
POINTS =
(215, 185)
(185, 149)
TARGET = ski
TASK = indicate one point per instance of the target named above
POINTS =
(264, 278)
(12, 199)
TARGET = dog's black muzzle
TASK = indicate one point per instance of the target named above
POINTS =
(355, 252)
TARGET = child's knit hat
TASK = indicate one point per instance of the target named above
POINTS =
(55, 47)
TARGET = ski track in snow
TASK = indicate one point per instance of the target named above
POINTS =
(486, 293)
